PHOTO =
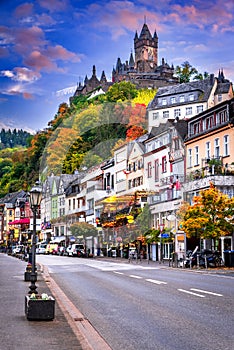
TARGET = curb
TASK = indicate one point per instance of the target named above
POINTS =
(87, 335)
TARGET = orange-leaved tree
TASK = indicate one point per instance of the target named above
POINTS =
(210, 216)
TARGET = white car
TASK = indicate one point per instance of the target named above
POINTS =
(41, 248)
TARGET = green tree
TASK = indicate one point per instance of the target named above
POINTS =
(83, 229)
(121, 92)
(185, 72)
(211, 215)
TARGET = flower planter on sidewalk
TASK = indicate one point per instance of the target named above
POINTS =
(38, 308)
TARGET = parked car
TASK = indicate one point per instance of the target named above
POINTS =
(52, 248)
(76, 249)
(17, 249)
(41, 248)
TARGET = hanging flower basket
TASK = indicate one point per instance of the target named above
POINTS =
(39, 307)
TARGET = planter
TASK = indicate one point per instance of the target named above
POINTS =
(39, 309)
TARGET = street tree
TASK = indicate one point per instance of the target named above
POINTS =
(210, 216)
(83, 229)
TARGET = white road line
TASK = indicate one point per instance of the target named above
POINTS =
(118, 273)
(155, 281)
(188, 292)
(134, 276)
(206, 292)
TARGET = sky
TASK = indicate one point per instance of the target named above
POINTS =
(48, 47)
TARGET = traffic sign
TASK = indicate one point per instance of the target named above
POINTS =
(165, 235)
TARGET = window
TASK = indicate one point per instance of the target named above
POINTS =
(74, 203)
(156, 170)
(176, 144)
(196, 128)
(165, 114)
(208, 150)
(209, 123)
(189, 158)
(177, 113)
(189, 110)
(200, 109)
(216, 148)
(196, 155)
(173, 100)
(149, 169)
(182, 98)
(226, 145)
(164, 102)
(155, 115)
(219, 97)
(191, 97)
(164, 164)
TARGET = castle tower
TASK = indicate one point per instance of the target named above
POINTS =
(146, 51)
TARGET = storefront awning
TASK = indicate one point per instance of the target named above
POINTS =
(20, 221)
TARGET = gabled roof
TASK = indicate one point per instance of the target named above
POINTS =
(179, 125)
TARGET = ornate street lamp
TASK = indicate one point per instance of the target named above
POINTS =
(35, 200)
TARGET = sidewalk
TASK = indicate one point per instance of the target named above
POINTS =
(16, 332)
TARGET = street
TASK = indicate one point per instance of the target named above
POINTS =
(135, 306)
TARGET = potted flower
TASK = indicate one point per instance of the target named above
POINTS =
(39, 307)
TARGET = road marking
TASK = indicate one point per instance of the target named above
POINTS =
(118, 273)
(206, 292)
(188, 292)
(134, 276)
(155, 281)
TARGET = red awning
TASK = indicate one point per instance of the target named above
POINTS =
(20, 221)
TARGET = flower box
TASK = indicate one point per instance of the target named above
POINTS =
(39, 308)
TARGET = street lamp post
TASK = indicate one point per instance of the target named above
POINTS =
(35, 200)
(161, 228)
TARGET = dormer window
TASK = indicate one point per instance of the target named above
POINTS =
(191, 97)
(182, 98)
(164, 102)
(173, 99)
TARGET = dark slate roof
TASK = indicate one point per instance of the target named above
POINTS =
(145, 33)
(12, 197)
(179, 125)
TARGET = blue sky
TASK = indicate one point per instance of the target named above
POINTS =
(49, 46)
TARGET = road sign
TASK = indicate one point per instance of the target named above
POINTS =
(165, 235)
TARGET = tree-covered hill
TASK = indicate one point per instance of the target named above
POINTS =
(81, 134)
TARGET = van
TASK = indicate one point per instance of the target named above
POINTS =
(52, 248)
(76, 249)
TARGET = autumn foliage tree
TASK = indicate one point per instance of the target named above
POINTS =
(211, 215)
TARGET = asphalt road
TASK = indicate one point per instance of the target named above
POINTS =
(140, 306)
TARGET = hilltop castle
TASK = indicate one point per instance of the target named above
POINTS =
(143, 71)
